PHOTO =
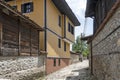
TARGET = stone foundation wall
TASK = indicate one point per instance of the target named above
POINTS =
(106, 50)
(27, 65)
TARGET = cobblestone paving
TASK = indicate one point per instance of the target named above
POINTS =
(77, 71)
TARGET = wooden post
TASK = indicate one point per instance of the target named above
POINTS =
(1, 39)
(19, 38)
(30, 41)
(38, 42)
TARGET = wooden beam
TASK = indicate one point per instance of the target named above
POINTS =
(19, 38)
(38, 42)
(0, 39)
(30, 42)
(109, 15)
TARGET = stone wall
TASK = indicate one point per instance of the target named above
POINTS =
(21, 67)
(106, 50)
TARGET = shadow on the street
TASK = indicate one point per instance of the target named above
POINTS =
(82, 74)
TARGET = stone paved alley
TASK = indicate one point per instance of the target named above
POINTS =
(77, 71)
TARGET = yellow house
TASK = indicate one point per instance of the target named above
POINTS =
(58, 21)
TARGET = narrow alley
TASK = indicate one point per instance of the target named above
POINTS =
(76, 71)
(59, 39)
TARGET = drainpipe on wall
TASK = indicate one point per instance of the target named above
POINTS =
(45, 23)
(45, 35)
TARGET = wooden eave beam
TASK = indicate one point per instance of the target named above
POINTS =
(109, 15)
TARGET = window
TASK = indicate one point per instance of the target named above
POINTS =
(59, 43)
(27, 7)
(69, 27)
(59, 23)
(54, 63)
(59, 62)
(64, 46)
(72, 29)
(15, 7)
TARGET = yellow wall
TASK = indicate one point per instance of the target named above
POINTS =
(52, 39)
(52, 18)
(53, 49)
(52, 23)
(69, 35)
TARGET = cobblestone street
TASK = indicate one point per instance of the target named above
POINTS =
(77, 71)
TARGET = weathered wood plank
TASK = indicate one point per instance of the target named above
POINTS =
(18, 37)
(102, 8)
(0, 39)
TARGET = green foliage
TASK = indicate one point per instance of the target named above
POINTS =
(80, 47)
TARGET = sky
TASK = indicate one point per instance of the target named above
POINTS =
(78, 7)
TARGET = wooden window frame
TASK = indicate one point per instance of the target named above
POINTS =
(24, 7)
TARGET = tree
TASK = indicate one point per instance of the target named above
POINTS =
(80, 46)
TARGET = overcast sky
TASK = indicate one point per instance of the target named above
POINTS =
(78, 7)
